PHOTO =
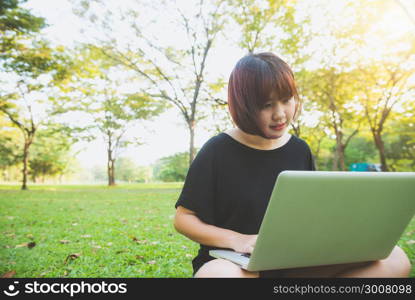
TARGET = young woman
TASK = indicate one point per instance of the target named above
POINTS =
(229, 183)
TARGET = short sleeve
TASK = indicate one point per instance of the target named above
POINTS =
(198, 192)
(310, 161)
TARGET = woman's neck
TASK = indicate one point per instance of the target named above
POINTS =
(256, 141)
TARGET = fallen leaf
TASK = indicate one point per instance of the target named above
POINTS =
(151, 262)
(410, 242)
(28, 245)
(189, 255)
(155, 243)
(9, 274)
(64, 241)
(74, 224)
(71, 257)
(139, 241)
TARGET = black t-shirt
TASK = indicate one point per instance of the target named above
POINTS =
(229, 184)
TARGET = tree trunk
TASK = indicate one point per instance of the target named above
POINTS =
(335, 166)
(192, 141)
(110, 163)
(110, 169)
(25, 164)
(342, 166)
(112, 178)
(381, 148)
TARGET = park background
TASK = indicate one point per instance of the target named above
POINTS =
(104, 104)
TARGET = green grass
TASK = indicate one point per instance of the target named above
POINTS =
(124, 231)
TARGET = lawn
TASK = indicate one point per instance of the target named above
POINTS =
(92, 231)
(96, 231)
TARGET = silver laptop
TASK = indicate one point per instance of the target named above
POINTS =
(321, 218)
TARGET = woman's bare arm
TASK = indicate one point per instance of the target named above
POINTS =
(187, 223)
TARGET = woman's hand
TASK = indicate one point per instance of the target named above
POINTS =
(244, 243)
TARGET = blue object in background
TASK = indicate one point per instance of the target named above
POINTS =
(365, 167)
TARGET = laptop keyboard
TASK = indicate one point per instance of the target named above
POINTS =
(246, 255)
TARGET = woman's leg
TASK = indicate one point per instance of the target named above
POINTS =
(221, 268)
(395, 265)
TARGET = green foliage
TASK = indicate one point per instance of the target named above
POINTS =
(127, 170)
(400, 147)
(9, 141)
(360, 150)
(172, 168)
(15, 23)
(8, 152)
(51, 153)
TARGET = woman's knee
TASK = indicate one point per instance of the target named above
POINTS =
(221, 268)
(398, 263)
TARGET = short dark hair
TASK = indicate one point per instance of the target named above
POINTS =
(251, 82)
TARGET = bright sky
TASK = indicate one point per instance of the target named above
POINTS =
(168, 133)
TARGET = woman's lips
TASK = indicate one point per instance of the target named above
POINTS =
(278, 127)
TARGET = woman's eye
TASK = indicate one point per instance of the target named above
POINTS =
(267, 105)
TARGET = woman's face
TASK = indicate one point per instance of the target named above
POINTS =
(275, 116)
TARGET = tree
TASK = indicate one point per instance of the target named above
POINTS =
(36, 69)
(101, 91)
(400, 138)
(51, 154)
(361, 149)
(385, 86)
(384, 76)
(171, 168)
(254, 19)
(32, 67)
(270, 25)
(129, 171)
(16, 23)
(330, 82)
(334, 92)
(9, 146)
(174, 74)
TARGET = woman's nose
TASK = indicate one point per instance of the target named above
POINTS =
(278, 113)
